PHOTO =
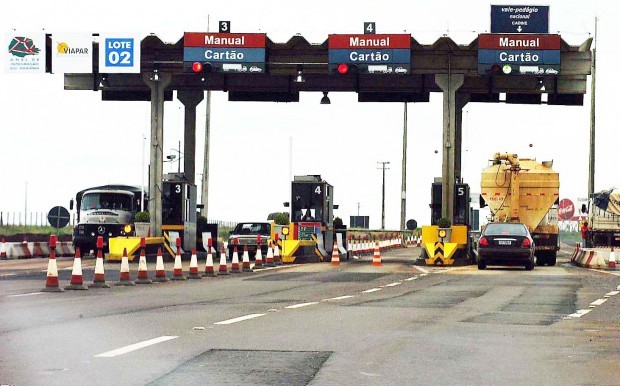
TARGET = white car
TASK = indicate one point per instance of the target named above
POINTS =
(256, 69)
(552, 71)
(401, 70)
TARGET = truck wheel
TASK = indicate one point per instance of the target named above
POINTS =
(540, 260)
(551, 260)
(482, 266)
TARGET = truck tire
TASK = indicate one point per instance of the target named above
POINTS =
(551, 259)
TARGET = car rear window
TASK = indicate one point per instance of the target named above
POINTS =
(505, 229)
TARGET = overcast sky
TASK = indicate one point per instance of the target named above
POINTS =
(59, 142)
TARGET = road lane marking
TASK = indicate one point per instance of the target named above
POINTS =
(412, 278)
(607, 272)
(424, 271)
(597, 302)
(371, 290)
(240, 319)
(579, 313)
(9, 274)
(21, 295)
(339, 298)
(393, 284)
(134, 347)
(301, 305)
(612, 293)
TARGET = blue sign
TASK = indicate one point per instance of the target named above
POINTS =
(519, 19)
(228, 55)
(371, 56)
(519, 57)
(119, 52)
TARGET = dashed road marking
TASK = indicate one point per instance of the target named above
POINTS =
(8, 274)
(612, 293)
(607, 272)
(597, 302)
(393, 284)
(411, 278)
(424, 271)
(339, 298)
(301, 305)
(134, 347)
(579, 314)
(21, 295)
(371, 290)
(240, 319)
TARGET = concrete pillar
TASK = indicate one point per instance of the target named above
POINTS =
(205, 170)
(449, 84)
(461, 101)
(190, 99)
(156, 175)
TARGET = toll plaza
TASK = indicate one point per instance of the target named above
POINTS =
(528, 66)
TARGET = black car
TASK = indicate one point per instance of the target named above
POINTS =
(506, 244)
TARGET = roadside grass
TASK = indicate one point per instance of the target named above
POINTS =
(11, 230)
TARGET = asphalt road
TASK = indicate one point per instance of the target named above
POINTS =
(316, 324)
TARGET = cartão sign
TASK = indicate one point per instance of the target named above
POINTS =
(119, 53)
(72, 53)
(519, 19)
(24, 53)
(371, 53)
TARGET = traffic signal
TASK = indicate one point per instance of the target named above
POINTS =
(498, 69)
(198, 67)
(345, 68)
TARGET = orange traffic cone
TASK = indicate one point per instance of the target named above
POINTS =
(612, 258)
(193, 267)
(276, 254)
(376, 258)
(178, 265)
(51, 283)
(209, 270)
(3, 250)
(335, 254)
(125, 276)
(245, 266)
(223, 269)
(99, 280)
(235, 267)
(143, 272)
(258, 260)
(160, 269)
(77, 280)
(269, 259)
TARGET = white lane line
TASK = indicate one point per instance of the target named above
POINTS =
(606, 272)
(597, 302)
(579, 313)
(371, 290)
(425, 271)
(21, 295)
(392, 284)
(9, 274)
(301, 305)
(339, 298)
(240, 319)
(134, 347)
(412, 278)
(423, 274)
(612, 293)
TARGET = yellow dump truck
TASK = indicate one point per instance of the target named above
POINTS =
(527, 192)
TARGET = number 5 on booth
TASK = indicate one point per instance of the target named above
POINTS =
(119, 53)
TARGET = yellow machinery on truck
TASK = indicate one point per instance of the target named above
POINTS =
(310, 235)
(527, 192)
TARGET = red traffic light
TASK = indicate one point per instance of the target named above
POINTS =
(197, 67)
(343, 68)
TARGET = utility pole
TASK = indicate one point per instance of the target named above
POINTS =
(383, 167)
(403, 193)
(592, 116)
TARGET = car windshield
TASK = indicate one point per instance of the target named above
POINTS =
(252, 229)
(505, 229)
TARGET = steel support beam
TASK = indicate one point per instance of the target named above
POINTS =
(449, 84)
(156, 172)
(190, 99)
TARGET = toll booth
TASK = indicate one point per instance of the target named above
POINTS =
(451, 245)
(179, 210)
(311, 233)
